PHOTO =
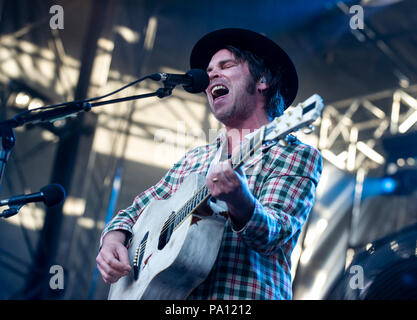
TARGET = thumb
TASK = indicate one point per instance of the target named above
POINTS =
(239, 171)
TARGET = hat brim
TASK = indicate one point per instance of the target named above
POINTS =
(276, 59)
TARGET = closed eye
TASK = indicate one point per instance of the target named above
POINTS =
(224, 65)
(228, 65)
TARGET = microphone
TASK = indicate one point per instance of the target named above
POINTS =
(51, 195)
(194, 81)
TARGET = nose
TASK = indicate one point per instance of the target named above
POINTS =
(213, 73)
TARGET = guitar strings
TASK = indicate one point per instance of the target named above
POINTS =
(190, 206)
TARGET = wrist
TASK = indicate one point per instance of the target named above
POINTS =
(241, 213)
(119, 236)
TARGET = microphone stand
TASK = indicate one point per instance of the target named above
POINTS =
(63, 111)
(8, 141)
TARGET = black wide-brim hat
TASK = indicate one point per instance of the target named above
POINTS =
(275, 58)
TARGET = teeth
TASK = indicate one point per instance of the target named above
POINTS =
(218, 87)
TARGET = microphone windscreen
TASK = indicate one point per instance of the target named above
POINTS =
(54, 194)
(200, 81)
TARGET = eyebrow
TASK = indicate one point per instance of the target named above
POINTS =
(221, 63)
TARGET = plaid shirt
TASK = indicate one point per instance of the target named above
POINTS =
(254, 262)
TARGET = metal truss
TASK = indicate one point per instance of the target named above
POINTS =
(350, 131)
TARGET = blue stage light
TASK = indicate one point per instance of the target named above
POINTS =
(379, 186)
(388, 185)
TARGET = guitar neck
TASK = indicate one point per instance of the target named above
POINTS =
(302, 115)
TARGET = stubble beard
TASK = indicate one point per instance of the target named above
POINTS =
(241, 110)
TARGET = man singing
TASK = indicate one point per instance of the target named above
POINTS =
(252, 81)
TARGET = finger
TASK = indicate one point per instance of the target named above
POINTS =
(210, 177)
(112, 260)
(107, 278)
(215, 170)
(213, 186)
(214, 173)
(123, 257)
(222, 187)
(105, 269)
(228, 175)
(231, 169)
(117, 267)
(110, 280)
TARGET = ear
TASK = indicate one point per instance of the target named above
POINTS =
(262, 85)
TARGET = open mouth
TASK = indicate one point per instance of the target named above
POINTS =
(219, 91)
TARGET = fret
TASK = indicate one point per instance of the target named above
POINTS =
(177, 219)
(193, 202)
(205, 193)
(202, 193)
(197, 197)
(171, 225)
(187, 207)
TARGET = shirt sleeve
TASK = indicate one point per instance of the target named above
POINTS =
(285, 201)
(126, 218)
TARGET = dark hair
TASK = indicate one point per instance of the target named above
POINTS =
(275, 104)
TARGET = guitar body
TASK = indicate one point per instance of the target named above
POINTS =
(173, 268)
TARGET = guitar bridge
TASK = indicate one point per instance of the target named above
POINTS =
(135, 265)
(137, 260)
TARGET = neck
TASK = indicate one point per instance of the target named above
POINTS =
(236, 132)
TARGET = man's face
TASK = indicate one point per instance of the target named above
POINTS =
(231, 93)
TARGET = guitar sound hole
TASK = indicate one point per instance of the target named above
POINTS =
(166, 232)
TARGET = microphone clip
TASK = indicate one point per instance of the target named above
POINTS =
(168, 85)
(165, 91)
(13, 210)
